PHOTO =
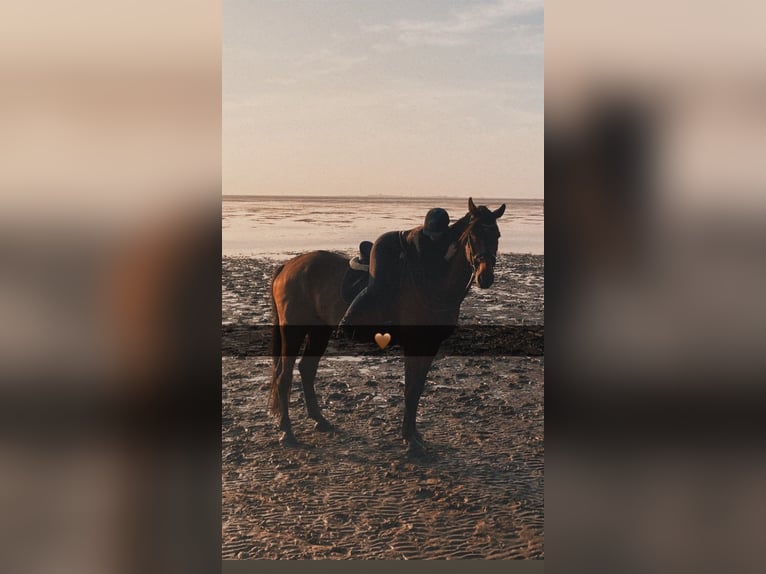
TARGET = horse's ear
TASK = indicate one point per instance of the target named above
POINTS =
(471, 206)
(499, 211)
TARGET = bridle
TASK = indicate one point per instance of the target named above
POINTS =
(475, 259)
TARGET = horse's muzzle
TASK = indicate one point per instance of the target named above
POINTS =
(485, 278)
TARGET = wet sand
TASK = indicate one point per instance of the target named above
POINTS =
(356, 493)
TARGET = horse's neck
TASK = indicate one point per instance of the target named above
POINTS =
(459, 273)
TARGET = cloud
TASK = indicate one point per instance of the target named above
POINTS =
(323, 62)
(456, 29)
(472, 19)
(375, 28)
(525, 41)
(431, 39)
(385, 47)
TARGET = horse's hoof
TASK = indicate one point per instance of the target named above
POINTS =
(416, 446)
(323, 425)
(288, 440)
(416, 450)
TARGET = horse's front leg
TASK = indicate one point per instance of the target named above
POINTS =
(415, 371)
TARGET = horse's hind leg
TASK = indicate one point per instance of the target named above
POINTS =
(291, 344)
(315, 347)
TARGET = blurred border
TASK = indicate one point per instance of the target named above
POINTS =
(110, 286)
(655, 273)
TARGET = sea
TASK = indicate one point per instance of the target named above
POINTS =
(272, 226)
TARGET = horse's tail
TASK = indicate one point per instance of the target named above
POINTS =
(275, 347)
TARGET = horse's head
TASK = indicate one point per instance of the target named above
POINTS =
(481, 235)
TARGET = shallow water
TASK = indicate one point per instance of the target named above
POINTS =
(269, 226)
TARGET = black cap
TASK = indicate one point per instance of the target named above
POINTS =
(436, 223)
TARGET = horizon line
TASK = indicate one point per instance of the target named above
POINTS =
(281, 196)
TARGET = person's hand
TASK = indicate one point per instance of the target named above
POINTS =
(451, 250)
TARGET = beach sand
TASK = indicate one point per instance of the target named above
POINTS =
(355, 493)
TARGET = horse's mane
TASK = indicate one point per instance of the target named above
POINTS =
(463, 226)
(458, 229)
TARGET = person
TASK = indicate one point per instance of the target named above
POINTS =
(435, 247)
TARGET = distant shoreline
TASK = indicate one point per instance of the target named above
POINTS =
(477, 199)
(258, 224)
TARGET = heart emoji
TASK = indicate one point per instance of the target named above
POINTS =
(382, 340)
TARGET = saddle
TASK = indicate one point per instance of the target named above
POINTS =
(358, 273)
(411, 253)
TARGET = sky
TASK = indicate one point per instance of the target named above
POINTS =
(370, 97)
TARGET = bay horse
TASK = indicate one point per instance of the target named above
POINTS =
(307, 306)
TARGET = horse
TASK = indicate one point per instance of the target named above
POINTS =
(307, 305)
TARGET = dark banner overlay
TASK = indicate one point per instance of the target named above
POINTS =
(242, 340)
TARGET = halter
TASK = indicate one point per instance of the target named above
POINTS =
(477, 258)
